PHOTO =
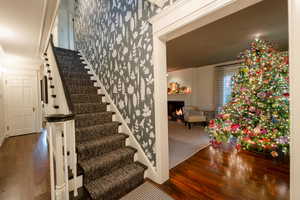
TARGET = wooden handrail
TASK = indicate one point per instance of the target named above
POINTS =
(59, 117)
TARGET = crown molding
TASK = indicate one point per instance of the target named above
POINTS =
(159, 3)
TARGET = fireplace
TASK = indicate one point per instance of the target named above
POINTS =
(175, 110)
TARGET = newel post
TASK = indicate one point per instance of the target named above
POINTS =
(60, 134)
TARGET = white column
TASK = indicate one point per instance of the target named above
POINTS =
(50, 141)
(161, 113)
(294, 45)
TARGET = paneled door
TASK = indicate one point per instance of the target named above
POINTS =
(21, 104)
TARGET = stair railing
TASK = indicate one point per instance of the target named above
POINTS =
(61, 131)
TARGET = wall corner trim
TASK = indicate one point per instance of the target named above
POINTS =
(140, 156)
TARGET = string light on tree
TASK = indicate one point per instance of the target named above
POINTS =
(257, 117)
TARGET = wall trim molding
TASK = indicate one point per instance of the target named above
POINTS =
(184, 15)
(140, 155)
(159, 3)
(180, 18)
(45, 31)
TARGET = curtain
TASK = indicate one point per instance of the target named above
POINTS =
(223, 84)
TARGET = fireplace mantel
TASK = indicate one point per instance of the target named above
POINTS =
(180, 97)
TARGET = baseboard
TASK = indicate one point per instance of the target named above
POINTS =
(140, 156)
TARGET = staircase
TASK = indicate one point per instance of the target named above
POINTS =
(106, 163)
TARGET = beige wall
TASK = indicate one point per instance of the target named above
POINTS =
(201, 80)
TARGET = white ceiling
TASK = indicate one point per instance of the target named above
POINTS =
(22, 27)
(24, 20)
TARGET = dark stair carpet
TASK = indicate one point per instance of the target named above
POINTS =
(107, 164)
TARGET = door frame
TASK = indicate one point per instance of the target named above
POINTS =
(294, 63)
(187, 15)
(21, 72)
(176, 20)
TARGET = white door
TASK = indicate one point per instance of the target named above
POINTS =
(21, 104)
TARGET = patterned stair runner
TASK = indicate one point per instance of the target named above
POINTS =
(109, 170)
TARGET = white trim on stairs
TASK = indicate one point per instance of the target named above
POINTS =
(140, 156)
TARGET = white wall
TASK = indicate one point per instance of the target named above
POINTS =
(63, 34)
(15, 65)
(201, 80)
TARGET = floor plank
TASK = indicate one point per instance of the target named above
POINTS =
(226, 175)
(24, 168)
(209, 174)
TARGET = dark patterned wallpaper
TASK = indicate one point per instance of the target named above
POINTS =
(116, 38)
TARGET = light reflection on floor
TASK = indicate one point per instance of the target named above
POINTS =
(243, 170)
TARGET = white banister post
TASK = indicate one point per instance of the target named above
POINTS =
(65, 159)
(73, 155)
(59, 162)
(62, 142)
(50, 141)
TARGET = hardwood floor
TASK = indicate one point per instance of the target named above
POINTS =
(225, 174)
(24, 168)
(210, 174)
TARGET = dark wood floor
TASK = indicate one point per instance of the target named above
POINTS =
(226, 174)
(24, 168)
(209, 174)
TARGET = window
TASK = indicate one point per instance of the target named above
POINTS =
(224, 84)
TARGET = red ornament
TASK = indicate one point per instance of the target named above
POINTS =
(286, 60)
(246, 139)
(211, 123)
(238, 147)
(215, 143)
(234, 127)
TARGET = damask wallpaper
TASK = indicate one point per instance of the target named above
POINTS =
(116, 38)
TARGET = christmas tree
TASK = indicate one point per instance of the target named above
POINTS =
(257, 117)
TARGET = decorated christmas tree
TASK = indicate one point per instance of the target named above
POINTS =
(257, 117)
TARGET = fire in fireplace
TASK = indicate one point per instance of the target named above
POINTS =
(179, 112)
(175, 110)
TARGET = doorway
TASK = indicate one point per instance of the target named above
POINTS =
(21, 104)
(182, 17)
(194, 14)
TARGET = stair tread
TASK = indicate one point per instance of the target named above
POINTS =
(106, 159)
(99, 141)
(86, 115)
(82, 86)
(87, 95)
(97, 126)
(89, 103)
(118, 178)
(79, 94)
